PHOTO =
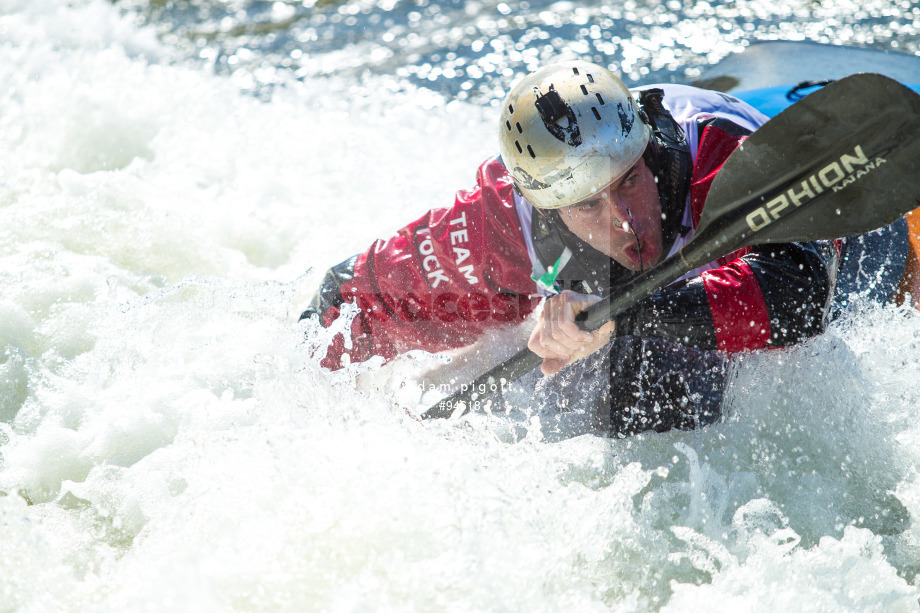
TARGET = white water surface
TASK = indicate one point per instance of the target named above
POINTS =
(170, 443)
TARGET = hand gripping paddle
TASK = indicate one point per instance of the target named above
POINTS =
(842, 161)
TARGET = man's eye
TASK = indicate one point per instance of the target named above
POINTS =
(631, 180)
(588, 206)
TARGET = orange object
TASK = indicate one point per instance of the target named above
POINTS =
(910, 281)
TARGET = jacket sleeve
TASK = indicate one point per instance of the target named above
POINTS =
(775, 295)
(438, 283)
(764, 296)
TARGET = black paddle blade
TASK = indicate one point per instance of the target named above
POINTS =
(842, 161)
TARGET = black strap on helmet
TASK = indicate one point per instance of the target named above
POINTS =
(668, 157)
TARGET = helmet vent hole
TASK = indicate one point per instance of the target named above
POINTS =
(510, 108)
(600, 99)
(532, 154)
(508, 125)
(575, 70)
(596, 114)
(520, 130)
(584, 89)
(590, 78)
(518, 145)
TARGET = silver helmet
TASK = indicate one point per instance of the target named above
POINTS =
(568, 131)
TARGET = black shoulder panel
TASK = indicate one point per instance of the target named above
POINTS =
(795, 281)
(678, 313)
(330, 290)
(668, 157)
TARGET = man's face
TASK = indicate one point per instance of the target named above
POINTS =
(613, 219)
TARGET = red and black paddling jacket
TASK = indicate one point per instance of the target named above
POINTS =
(444, 280)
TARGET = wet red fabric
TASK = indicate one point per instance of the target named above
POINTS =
(443, 280)
(739, 313)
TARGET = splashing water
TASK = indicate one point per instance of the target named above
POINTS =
(168, 440)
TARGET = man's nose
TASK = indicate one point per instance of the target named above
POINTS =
(622, 216)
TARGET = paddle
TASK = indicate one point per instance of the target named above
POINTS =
(842, 161)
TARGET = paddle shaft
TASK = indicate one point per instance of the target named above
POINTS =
(843, 161)
(592, 318)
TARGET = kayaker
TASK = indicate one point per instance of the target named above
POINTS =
(595, 183)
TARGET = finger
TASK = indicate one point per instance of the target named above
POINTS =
(544, 344)
(551, 366)
(579, 302)
(599, 339)
(555, 346)
(563, 320)
(564, 342)
(607, 330)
